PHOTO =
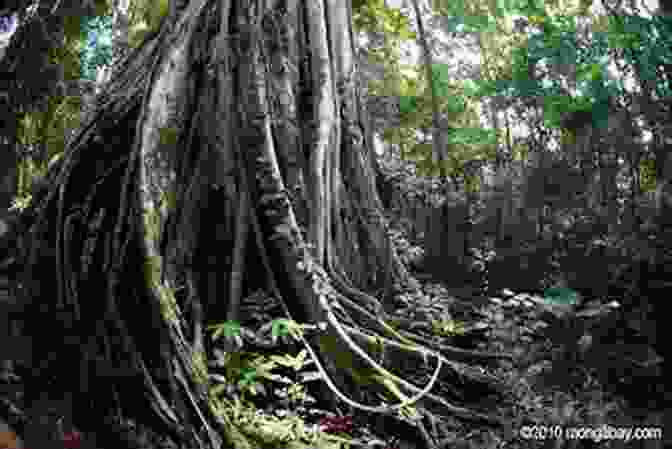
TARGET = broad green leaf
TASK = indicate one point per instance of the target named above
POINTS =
(280, 328)
(248, 376)
(228, 328)
(561, 295)
(407, 104)
(289, 361)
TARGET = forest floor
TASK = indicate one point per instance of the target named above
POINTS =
(564, 378)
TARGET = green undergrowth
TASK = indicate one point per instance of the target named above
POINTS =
(264, 396)
(260, 395)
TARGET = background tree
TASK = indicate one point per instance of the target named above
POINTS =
(580, 134)
(8, 158)
(37, 107)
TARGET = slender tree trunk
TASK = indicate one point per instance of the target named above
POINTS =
(9, 163)
(120, 25)
(439, 142)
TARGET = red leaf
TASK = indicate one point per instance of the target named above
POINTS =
(72, 440)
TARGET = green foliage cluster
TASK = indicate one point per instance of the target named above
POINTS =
(551, 39)
(374, 16)
(645, 44)
(256, 378)
(462, 11)
(51, 126)
(555, 42)
(98, 49)
(69, 55)
(647, 175)
(408, 83)
(85, 46)
(48, 129)
(145, 18)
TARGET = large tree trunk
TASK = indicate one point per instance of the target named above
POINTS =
(232, 116)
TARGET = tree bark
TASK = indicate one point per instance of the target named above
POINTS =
(197, 135)
(9, 163)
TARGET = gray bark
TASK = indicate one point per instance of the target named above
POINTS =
(145, 212)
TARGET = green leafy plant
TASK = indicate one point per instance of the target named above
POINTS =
(249, 369)
(448, 327)
(375, 16)
(20, 203)
(280, 328)
(561, 295)
(146, 17)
